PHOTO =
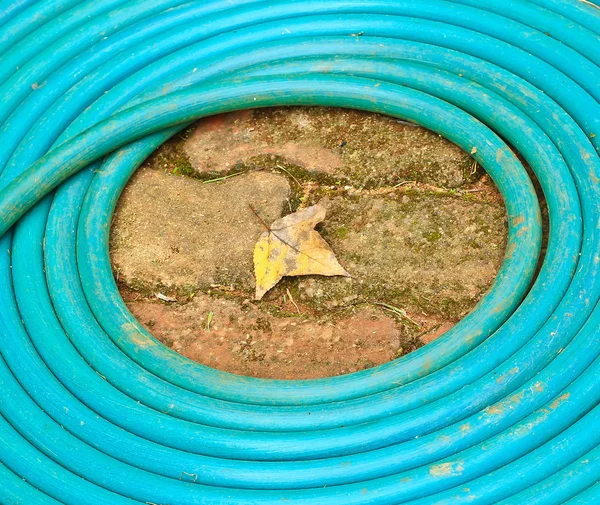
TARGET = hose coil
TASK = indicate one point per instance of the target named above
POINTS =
(504, 408)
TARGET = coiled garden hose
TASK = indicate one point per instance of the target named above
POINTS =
(504, 408)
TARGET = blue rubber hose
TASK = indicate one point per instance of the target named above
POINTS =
(504, 408)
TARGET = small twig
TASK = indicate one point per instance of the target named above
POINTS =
(403, 183)
(477, 190)
(399, 312)
(267, 227)
(474, 169)
(290, 174)
(222, 178)
(292, 300)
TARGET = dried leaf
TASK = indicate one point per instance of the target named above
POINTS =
(291, 247)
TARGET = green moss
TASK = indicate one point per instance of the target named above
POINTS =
(183, 166)
(433, 236)
(341, 232)
(360, 170)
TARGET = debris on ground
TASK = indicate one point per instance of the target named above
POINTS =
(415, 221)
(291, 247)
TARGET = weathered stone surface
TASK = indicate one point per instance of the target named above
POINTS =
(424, 247)
(243, 339)
(182, 234)
(368, 150)
(432, 254)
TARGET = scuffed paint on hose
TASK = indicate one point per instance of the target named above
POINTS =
(502, 409)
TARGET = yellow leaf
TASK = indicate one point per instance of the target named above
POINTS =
(292, 247)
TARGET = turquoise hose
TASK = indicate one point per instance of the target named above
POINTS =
(503, 408)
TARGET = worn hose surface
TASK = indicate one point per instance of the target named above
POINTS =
(504, 408)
